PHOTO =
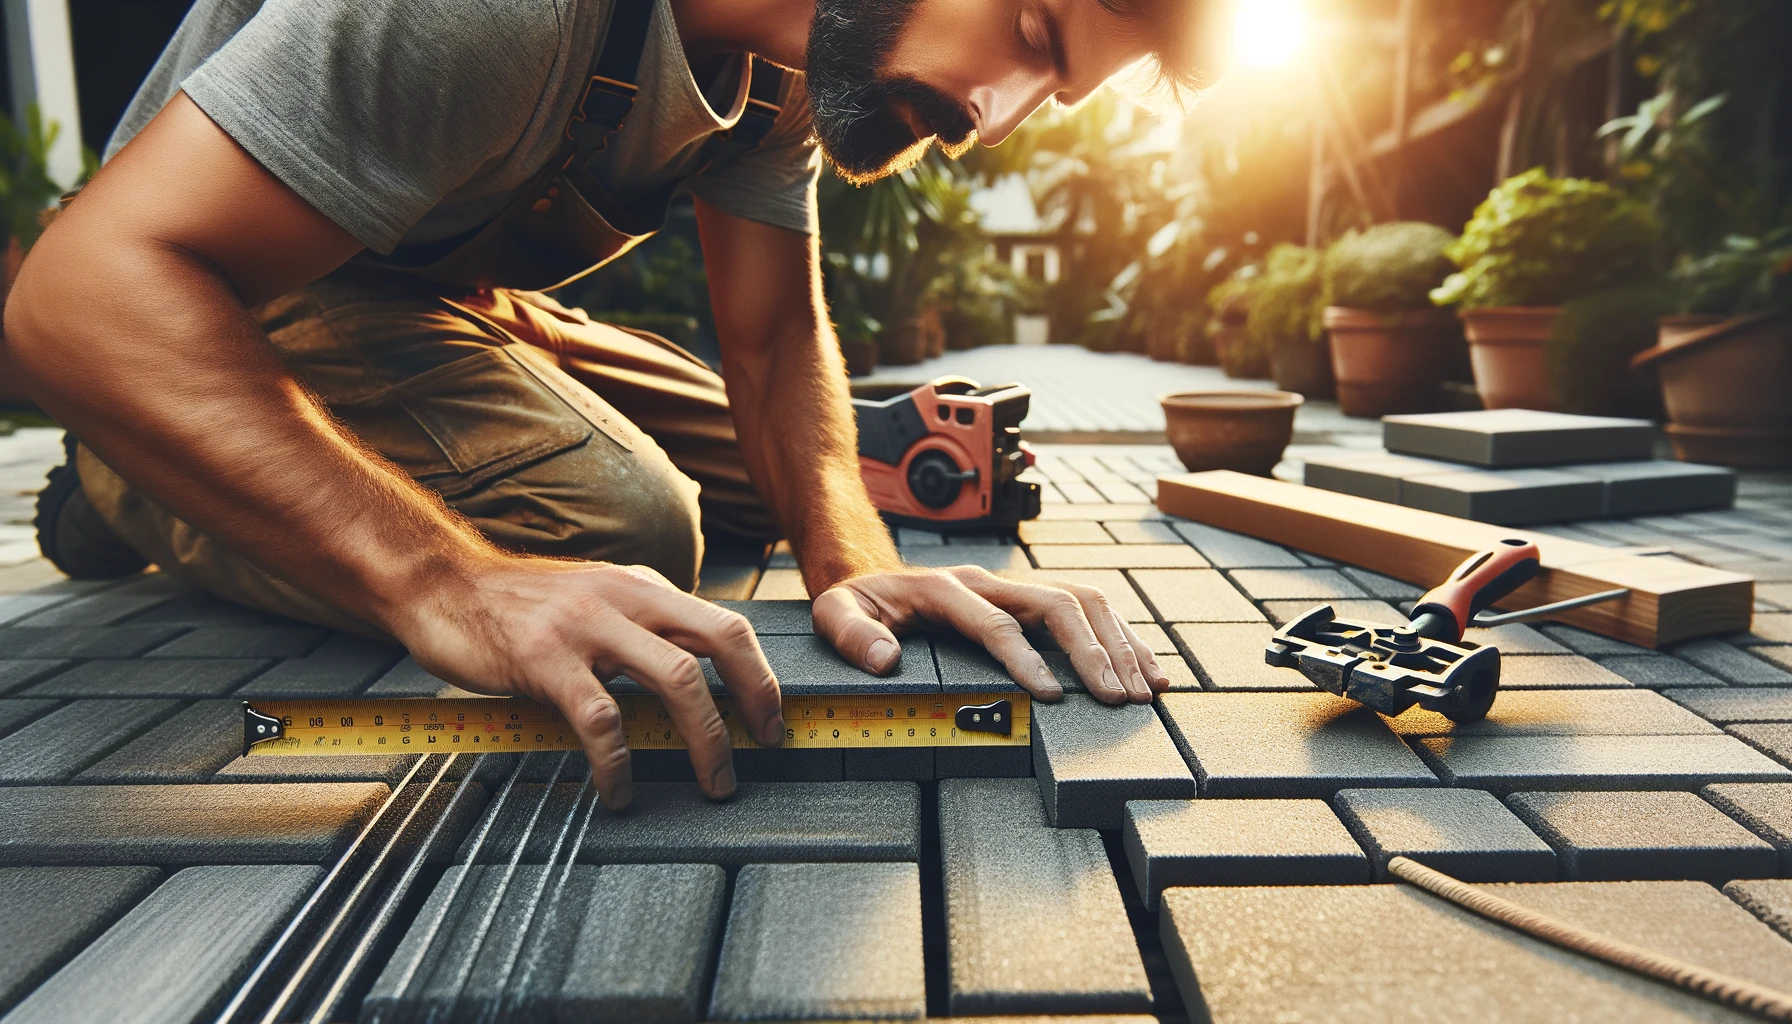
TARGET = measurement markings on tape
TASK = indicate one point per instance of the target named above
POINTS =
(299, 728)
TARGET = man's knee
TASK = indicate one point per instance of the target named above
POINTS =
(658, 526)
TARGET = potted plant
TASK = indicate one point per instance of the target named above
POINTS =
(1534, 243)
(1391, 349)
(1725, 364)
(1284, 318)
(1233, 346)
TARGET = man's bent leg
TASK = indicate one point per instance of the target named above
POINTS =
(530, 457)
(667, 392)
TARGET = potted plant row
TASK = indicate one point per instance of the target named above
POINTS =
(1283, 318)
(1391, 349)
(1533, 244)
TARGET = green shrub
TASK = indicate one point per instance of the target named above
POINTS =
(1389, 268)
(1745, 275)
(1589, 350)
(1231, 298)
(1286, 304)
(1540, 241)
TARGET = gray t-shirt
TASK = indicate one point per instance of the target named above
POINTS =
(416, 120)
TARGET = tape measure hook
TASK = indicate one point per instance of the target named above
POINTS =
(996, 717)
(259, 728)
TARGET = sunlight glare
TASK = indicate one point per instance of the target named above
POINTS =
(1268, 33)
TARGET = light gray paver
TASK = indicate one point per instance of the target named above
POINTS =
(1660, 672)
(1726, 706)
(1229, 656)
(1227, 550)
(1359, 610)
(1771, 738)
(1034, 919)
(822, 941)
(1194, 595)
(1111, 582)
(1266, 955)
(1092, 758)
(1286, 744)
(197, 824)
(1297, 584)
(174, 958)
(1238, 842)
(55, 912)
(1507, 763)
(1769, 899)
(1518, 437)
(1640, 836)
(1465, 833)
(1118, 556)
(1765, 808)
(1556, 672)
(1563, 713)
(1731, 664)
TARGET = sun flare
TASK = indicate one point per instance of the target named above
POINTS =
(1268, 33)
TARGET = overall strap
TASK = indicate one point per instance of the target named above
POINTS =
(610, 92)
(762, 110)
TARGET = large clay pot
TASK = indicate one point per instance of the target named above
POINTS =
(903, 345)
(1506, 347)
(1303, 367)
(1240, 430)
(1725, 382)
(1392, 363)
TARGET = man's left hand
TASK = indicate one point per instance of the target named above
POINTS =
(863, 616)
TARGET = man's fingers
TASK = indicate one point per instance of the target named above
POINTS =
(593, 714)
(1154, 673)
(1061, 612)
(849, 622)
(674, 675)
(727, 640)
(949, 601)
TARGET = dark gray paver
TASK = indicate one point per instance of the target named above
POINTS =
(1507, 763)
(1465, 833)
(198, 608)
(1731, 664)
(1518, 437)
(160, 677)
(809, 664)
(775, 618)
(1507, 496)
(197, 824)
(16, 606)
(896, 764)
(1659, 672)
(1771, 738)
(56, 746)
(1582, 641)
(822, 941)
(1034, 919)
(642, 951)
(750, 765)
(111, 605)
(1367, 474)
(1639, 836)
(175, 957)
(764, 822)
(1092, 758)
(1238, 842)
(54, 912)
(1564, 713)
(82, 641)
(408, 679)
(1383, 588)
(1194, 595)
(1224, 549)
(983, 762)
(1297, 584)
(386, 768)
(1286, 744)
(1769, 899)
(1360, 610)
(1229, 656)
(17, 713)
(1266, 955)
(1659, 486)
(1556, 672)
(966, 667)
(1765, 808)
(1117, 556)
(282, 641)
(1515, 638)
(1726, 706)
(342, 667)
(15, 674)
(189, 747)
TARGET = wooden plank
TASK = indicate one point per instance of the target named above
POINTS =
(1669, 599)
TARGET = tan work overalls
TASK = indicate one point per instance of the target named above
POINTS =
(552, 433)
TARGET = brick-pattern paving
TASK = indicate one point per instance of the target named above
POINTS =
(1130, 856)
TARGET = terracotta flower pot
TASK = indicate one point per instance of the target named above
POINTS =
(1505, 346)
(1389, 364)
(1725, 382)
(1303, 367)
(1241, 430)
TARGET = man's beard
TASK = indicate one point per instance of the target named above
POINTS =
(853, 106)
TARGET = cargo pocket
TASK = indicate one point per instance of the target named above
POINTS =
(461, 425)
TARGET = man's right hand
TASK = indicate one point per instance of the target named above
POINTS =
(556, 631)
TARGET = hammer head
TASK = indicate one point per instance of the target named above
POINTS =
(1388, 668)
